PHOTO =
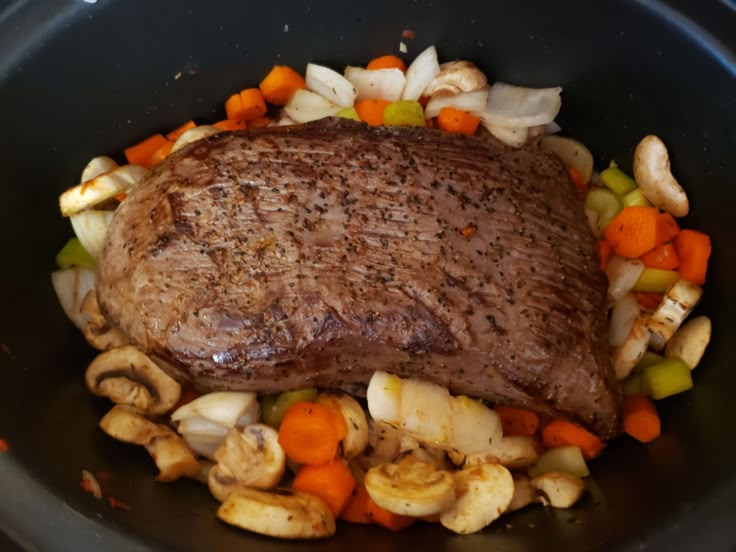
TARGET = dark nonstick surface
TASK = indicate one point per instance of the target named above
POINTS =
(80, 79)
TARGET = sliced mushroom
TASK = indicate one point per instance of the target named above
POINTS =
(484, 492)
(515, 452)
(127, 376)
(101, 188)
(455, 77)
(357, 437)
(221, 481)
(677, 303)
(169, 451)
(690, 341)
(524, 493)
(652, 173)
(283, 513)
(98, 332)
(253, 456)
(558, 489)
(411, 487)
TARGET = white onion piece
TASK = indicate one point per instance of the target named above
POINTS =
(622, 275)
(472, 102)
(512, 136)
(552, 128)
(421, 73)
(627, 355)
(71, 286)
(378, 84)
(384, 397)
(284, 121)
(571, 152)
(224, 408)
(518, 106)
(193, 135)
(97, 166)
(101, 188)
(426, 411)
(623, 314)
(202, 435)
(305, 106)
(475, 427)
(330, 84)
(90, 227)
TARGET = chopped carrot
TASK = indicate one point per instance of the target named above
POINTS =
(457, 121)
(247, 105)
(310, 433)
(4, 446)
(663, 256)
(693, 249)
(641, 420)
(231, 124)
(177, 132)
(356, 508)
(280, 84)
(561, 433)
(121, 196)
(517, 421)
(389, 520)
(118, 504)
(259, 122)
(371, 111)
(604, 252)
(386, 62)
(160, 154)
(332, 482)
(141, 152)
(636, 230)
(578, 180)
(649, 300)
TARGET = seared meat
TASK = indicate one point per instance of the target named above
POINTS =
(314, 255)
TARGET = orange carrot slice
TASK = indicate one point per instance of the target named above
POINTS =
(280, 84)
(457, 121)
(693, 249)
(141, 152)
(561, 433)
(641, 420)
(386, 62)
(332, 482)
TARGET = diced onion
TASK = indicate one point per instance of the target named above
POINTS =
(71, 286)
(97, 166)
(330, 84)
(622, 275)
(464, 101)
(382, 84)
(305, 106)
(512, 136)
(193, 135)
(420, 73)
(517, 106)
(624, 312)
(225, 408)
(202, 435)
(90, 227)
(572, 153)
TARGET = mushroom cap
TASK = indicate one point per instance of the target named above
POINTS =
(253, 456)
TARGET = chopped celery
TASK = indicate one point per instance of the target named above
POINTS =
(605, 204)
(348, 113)
(404, 113)
(667, 378)
(655, 280)
(74, 254)
(273, 407)
(649, 358)
(636, 198)
(561, 459)
(633, 385)
(618, 181)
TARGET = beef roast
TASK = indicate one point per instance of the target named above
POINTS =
(313, 255)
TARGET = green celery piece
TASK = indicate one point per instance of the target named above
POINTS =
(348, 113)
(655, 280)
(404, 113)
(636, 198)
(273, 407)
(605, 204)
(633, 385)
(74, 254)
(667, 378)
(649, 358)
(562, 459)
(618, 181)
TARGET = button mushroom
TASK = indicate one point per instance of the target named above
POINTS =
(127, 376)
(652, 173)
(282, 513)
(455, 77)
(524, 493)
(253, 456)
(411, 487)
(357, 436)
(515, 452)
(171, 454)
(690, 341)
(484, 492)
(676, 305)
(558, 489)
(97, 331)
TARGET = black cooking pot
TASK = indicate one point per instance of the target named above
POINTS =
(78, 79)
